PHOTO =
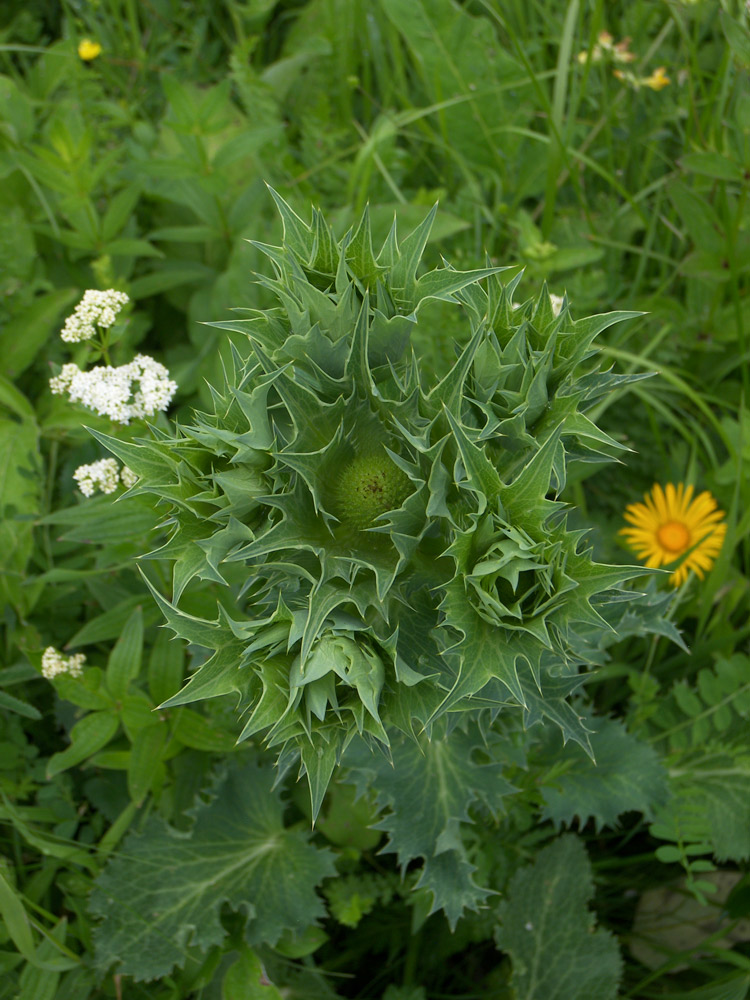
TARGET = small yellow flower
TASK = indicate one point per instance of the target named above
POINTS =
(88, 50)
(658, 79)
(670, 524)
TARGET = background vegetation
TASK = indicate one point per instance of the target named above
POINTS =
(145, 169)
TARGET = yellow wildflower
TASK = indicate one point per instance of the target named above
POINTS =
(88, 50)
(671, 526)
(658, 79)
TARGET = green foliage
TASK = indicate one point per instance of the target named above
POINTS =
(370, 511)
(441, 781)
(704, 726)
(625, 775)
(352, 897)
(334, 472)
(548, 930)
(237, 852)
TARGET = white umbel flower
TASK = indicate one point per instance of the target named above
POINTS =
(95, 309)
(62, 382)
(139, 389)
(103, 475)
(155, 389)
(127, 477)
(54, 663)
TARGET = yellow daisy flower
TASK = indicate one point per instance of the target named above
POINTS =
(88, 50)
(671, 525)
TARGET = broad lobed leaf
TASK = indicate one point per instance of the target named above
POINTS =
(165, 890)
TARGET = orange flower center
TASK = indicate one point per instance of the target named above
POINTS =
(673, 536)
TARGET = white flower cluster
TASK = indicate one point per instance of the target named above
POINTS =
(104, 475)
(557, 303)
(94, 309)
(138, 389)
(54, 663)
(127, 477)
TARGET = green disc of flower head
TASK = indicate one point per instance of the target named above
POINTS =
(366, 487)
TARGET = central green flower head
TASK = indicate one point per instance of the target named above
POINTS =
(368, 486)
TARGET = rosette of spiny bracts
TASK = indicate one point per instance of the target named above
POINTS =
(382, 541)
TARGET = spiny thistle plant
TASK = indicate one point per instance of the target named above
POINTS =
(390, 542)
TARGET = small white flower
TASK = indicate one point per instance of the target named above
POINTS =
(62, 382)
(54, 663)
(155, 387)
(138, 389)
(102, 475)
(95, 309)
(557, 303)
(128, 477)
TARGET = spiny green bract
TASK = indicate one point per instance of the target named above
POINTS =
(398, 555)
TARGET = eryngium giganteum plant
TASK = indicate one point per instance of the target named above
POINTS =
(388, 540)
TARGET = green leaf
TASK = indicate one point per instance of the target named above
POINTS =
(718, 786)
(132, 248)
(449, 391)
(119, 210)
(86, 691)
(211, 634)
(165, 890)
(444, 281)
(86, 737)
(457, 56)
(124, 662)
(550, 702)
(481, 475)
(15, 919)
(165, 667)
(712, 164)
(145, 760)
(548, 930)
(737, 35)
(217, 676)
(15, 400)
(171, 274)
(404, 271)
(143, 458)
(625, 775)
(246, 143)
(485, 650)
(185, 234)
(13, 704)
(20, 499)
(246, 979)
(102, 520)
(193, 730)
(698, 217)
(359, 253)
(108, 625)
(438, 781)
(23, 336)
(525, 499)
(297, 234)
(319, 760)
